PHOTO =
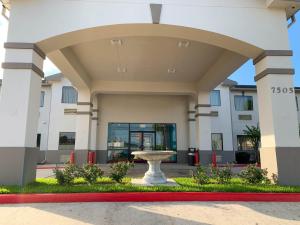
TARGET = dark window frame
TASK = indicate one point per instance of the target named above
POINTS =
(38, 140)
(42, 99)
(222, 139)
(62, 95)
(219, 94)
(64, 146)
(243, 96)
(240, 148)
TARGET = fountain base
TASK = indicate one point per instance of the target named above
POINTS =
(141, 182)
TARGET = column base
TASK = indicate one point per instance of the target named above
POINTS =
(17, 165)
(283, 161)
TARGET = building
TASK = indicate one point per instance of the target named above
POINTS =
(233, 108)
(146, 58)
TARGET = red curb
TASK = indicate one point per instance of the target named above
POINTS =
(148, 197)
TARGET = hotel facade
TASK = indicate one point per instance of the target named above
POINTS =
(144, 72)
(233, 108)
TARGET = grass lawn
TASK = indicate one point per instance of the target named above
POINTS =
(105, 184)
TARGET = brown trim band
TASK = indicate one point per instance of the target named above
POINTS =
(191, 120)
(94, 118)
(202, 114)
(202, 106)
(268, 71)
(23, 66)
(84, 113)
(272, 53)
(212, 113)
(85, 103)
(20, 45)
(191, 112)
(70, 111)
(95, 110)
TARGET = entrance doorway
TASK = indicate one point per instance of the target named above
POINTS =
(142, 141)
(124, 138)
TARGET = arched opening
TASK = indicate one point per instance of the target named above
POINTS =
(107, 56)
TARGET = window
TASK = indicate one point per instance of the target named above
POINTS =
(243, 103)
(166, 137)
(66, 140)
(69, 95)
(215, 98)
(38, 140)
(42, 98)
(118, 135)
(118, 141)
(244, 143)
(297, 104)
(217, 141)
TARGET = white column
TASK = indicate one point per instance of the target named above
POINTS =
(280, 143)
(192, 122)
(203, 122)
(94, 124)
(83, 121)
(19, 112)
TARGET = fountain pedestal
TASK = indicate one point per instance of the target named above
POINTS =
(154, 175)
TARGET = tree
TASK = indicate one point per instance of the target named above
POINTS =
(253, 133)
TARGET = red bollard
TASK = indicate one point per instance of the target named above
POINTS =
(214, 159)
(196, 158)
(72, 157)
(94, 157)
(90, 157)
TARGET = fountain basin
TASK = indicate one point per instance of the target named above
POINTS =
(154, 175)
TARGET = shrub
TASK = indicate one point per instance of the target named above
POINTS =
(254, 175)
(200, 175)
(222, 175)
(67, 175)
(90, 173)
(119, 170)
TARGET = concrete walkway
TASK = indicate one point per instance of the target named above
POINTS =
(183, 213)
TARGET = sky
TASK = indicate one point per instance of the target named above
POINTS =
(244, 75)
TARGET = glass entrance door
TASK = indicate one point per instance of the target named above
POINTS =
(136, 141)
(142, 141)
(149, 141)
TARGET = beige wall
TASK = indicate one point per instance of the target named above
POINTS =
(144, 109)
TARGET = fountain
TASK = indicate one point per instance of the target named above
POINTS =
(154, 175)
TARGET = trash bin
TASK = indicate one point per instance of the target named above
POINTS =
(191, 158)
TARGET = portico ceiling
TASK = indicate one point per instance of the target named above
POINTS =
(146, 59)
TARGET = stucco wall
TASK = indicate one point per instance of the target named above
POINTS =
(222, 123)
(144, 109)
(44, 118)
(248, 20)
(59, 122)
(240, 125)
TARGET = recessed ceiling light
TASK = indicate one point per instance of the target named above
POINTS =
(171, 70)
(183, 44)
(116, 42)
(121, 69)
